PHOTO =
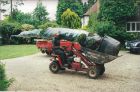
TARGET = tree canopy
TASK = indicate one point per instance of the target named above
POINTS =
(40, 12)
(70, 19)
(74, 5)
(116, 10)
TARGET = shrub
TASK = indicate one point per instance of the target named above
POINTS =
(4, 82)
(24, 18)
(70, 19)
(8, 29)
(119, 33)
(108, 28)
(84, 28)
(93, 22)
(75, 5)
(81, 39)
(48, 24)
(26, 27)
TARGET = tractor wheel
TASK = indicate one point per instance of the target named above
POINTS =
(93, 72)
(49, 54)
(102, 69)
(42, 51)
(54, 67)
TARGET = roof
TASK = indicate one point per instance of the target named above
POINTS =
(94, 9)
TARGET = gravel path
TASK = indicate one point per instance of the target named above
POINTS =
(31, 73)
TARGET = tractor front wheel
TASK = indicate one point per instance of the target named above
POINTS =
(93, 72)
(54, 67)
(48, 53)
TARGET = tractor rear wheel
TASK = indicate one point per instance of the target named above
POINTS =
(54, 67)
(93, 72)
(102, 69)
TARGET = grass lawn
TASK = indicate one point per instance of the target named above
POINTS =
(13, 51)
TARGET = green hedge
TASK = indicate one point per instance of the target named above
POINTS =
(8, 29)
(4, 82)
(119, 33)
(48, 24)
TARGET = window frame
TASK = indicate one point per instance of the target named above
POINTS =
(130, 30)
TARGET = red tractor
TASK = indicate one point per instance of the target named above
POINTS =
(82, 59)
(46, 46)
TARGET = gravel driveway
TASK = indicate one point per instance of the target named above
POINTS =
(32, 73)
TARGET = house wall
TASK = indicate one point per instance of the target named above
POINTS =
(29, 6)
(85, 20)
(0, 11)
(93, 9)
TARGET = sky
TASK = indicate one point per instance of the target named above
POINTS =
(29, 6)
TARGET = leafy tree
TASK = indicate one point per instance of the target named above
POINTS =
(117, 11)
(70, 19)
(112, 18)
(40, 12)
(24, 18)
(85, 7)
(74, 5)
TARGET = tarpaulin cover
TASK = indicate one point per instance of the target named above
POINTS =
(68, 33)
(29, 34)
(109, 46)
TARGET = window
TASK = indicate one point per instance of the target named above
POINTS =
(133, 27)
(128, 26)
(138, 26)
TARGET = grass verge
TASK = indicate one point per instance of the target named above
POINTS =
(13, 51)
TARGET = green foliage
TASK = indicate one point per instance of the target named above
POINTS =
(4, 82)
(117, 11)
(48, 24)
(112, 18)
(84, 28)
(107, 28)
(93, 22)
(81, 39)
(8, 29)
(74, 5)
(24, 18)
(39, 16)
(26, 27)
(40, 12)
(85, 7)
(70, 19)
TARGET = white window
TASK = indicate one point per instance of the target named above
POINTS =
(133, 26)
